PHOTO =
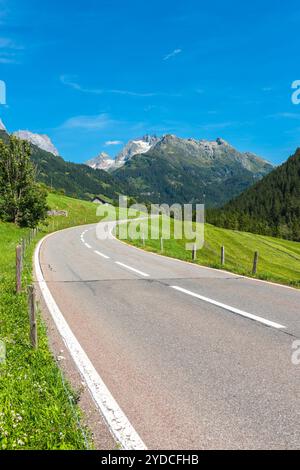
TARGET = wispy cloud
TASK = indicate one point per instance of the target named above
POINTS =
(71, 81)
(89, 123)
(9, 51)
(294, 116)
(267, 89)
(172, 54)
(7, 60)
(217, 125)
(113, 142)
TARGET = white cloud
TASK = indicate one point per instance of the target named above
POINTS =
(72, 83)
(172, 54)
(113, 142)
(90, 123)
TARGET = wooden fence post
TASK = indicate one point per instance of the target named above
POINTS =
(18, 269)
(23, 247)
(255, 263)
(32, 317)
(162, 244)
(194, 252)
(222, 255)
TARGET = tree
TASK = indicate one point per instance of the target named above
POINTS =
(22, 199)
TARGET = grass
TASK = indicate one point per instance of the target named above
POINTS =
(79, 212)
(279, 260)
(38, 408)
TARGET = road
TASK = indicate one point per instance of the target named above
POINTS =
(196, 358)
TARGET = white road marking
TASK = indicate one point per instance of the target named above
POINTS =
(117, 421)
(132, 269)
(101, 254)
(231, 309)
(87, 245)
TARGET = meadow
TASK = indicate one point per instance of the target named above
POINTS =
(279, 260)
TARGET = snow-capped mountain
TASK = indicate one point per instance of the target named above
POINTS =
(102, 162)
(40, 140)
(183, 170)
(2, 126)
(134, 147)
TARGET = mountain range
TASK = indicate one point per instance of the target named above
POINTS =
(190, 171)
(152, 169)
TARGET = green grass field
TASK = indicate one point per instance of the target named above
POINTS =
(279, 260)
(38, 409)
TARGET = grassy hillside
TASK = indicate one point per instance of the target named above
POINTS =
(37, 408)
(279, 260)
(79, 212)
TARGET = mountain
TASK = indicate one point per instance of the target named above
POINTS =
(135, 147)
(2, 126)
(102, 162)
(184, 170)
(271, 206)
(74, 179)
(40, 140)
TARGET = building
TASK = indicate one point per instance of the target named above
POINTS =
(99, 200)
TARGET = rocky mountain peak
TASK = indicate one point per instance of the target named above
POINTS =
(40, 140)
(102, 162)
(2, 126)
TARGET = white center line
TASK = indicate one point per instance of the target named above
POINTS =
(231, 309)
(87, 245)
(132, 269)
(101, 254)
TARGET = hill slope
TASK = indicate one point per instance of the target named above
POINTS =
(75, 179)
(271, 206)
(183, 170)
(279, 260)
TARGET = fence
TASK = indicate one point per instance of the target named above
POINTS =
(222, 257)
(20, 260)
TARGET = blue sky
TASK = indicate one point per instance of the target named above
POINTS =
(92, 74)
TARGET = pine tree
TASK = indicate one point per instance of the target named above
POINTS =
(22, 200)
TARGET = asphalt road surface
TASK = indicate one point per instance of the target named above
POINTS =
(196, 358)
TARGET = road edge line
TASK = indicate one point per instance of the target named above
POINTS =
(116, 420)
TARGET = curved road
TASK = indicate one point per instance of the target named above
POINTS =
(196, 358)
